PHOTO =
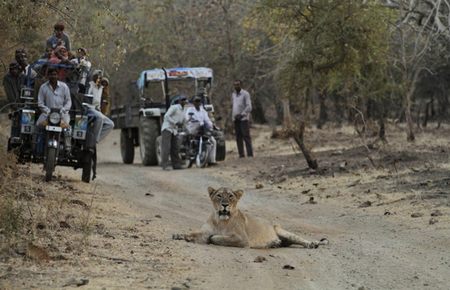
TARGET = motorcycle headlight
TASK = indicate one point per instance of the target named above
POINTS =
(54, 118)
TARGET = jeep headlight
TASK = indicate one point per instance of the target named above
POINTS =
(54, 118)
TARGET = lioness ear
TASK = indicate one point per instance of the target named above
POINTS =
(211, 191)
(239, 193)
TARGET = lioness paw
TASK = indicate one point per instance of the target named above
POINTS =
(324, 241)
(312, 245)
(316, 244)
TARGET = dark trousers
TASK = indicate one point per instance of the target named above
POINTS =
(169, 145)
(242, 131)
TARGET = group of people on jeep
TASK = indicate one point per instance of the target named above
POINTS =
(59, 76)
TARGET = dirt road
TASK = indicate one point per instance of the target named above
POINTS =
(388, 227)
(370, 247)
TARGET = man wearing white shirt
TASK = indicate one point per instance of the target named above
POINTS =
(96, 89)
(103, 125)
(173, 118)
(196, 117)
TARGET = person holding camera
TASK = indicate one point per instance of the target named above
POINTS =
(241, 110)
(84, 67)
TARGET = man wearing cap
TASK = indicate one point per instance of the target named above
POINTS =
(173, 119)
(196, 118)
(58, 38)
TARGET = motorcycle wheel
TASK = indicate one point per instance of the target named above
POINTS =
(87, 166)
(50, 163)
(202, 157)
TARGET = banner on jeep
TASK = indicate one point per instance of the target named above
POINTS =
(157, 75)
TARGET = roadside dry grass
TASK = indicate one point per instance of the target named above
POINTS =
(66, 233)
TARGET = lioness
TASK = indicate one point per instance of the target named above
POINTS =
(228, 226)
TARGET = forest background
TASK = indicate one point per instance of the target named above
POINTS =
(304, 62)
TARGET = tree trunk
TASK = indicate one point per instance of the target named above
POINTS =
(287, 120)
(297, 134)
(382, 130)
(410, 131)
(323, 115)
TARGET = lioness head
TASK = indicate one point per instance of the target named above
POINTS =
(225, 201)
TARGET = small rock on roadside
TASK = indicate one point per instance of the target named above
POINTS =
(259, 259)
(433, 221)
(149, 194)
(158, 216)
(311, 200)
(64, 224)
(288, 267)
(416, 215)
(39, 194)
(77, 282)
(259, 186)
(337, 153)
(436, 213)
(367, 203)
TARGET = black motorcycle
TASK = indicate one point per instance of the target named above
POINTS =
(71, 145)
(193, 149)
(23, 126)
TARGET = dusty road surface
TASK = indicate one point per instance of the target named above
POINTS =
(366, 214)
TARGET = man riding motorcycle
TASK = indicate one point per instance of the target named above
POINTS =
(55, 94)
(197, 119)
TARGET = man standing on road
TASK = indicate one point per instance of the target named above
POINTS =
(173, 119)
(242, 108)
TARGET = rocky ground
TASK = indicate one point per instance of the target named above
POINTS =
(385, 211)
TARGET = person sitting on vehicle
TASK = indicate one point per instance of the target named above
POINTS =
(60, 58)
(196, 120)
(29, 74)
(105, 107)
(58, 38)
(54, 94)
(173, 119)
(12, 83)
(83, 66)
(96, 89)
(103, 125)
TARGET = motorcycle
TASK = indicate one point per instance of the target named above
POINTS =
(67, 147)
(23, 126)
(53, 129)
(193, 148)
